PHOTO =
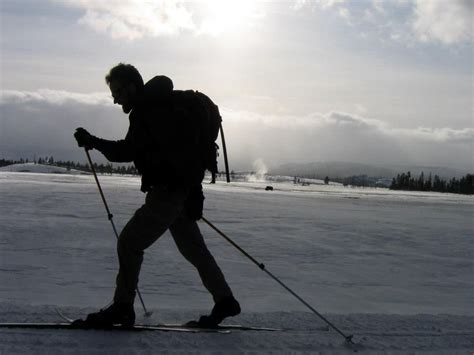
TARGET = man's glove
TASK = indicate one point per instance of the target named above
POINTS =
(84, 138)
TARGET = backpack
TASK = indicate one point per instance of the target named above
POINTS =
(206, 112)
(159, 90)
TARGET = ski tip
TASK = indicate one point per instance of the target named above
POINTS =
(63, 316)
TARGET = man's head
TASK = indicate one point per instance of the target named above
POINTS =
(126, 85)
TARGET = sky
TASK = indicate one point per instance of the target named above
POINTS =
(369, 81)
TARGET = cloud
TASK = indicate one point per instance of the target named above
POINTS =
(132, 19)
(341, 120)
(440, 135)
(352, 121)
(345, 14)
(420, 134)
(323, 4)
(57, 97)
(448, 22)
(344, 137)
(406, 21)
(378, 6)
(42, 123)
(135, 19)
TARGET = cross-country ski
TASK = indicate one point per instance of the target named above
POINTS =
(134, 328)
(187, 325)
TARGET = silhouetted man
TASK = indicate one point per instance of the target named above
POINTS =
(162, 141)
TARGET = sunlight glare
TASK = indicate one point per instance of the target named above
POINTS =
(223, 16)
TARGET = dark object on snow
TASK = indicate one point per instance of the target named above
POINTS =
(269, 188)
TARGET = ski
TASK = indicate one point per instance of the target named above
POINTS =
(195, 325)
(269, 329)
(138, 327)
(162, 327)
(225, 327)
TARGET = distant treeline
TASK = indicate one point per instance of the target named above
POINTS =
(356, 180)
(100, 168)
(5, 162)
(407, 182)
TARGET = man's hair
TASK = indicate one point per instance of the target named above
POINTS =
(125, 74)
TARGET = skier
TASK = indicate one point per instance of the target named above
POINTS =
(162, 142)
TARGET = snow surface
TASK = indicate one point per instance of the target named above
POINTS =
(41, 168)
(392, 268)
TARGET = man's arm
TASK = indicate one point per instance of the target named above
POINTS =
(120, 151)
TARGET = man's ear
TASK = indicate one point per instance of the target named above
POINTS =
(132, 89)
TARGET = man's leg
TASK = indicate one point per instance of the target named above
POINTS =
(191, 244)
(150, 221)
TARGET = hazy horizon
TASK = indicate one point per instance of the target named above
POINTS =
(373, 82)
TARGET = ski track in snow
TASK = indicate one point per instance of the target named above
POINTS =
(392, 268)
(376, 333)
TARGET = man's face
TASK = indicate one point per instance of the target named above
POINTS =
(122, 94)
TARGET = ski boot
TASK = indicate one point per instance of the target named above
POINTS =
(121, 314)
(227, 307)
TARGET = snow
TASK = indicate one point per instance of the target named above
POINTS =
(392, 268)
(41, 168)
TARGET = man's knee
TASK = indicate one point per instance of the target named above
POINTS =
(127, 243)
(196, 255)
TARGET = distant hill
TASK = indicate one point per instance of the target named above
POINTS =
(41, 168)
(345, 169)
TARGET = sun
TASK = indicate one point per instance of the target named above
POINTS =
(229, 16)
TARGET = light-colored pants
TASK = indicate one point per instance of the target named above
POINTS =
(164, 209)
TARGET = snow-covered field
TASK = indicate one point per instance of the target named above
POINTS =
(40, 168)
(393, 268)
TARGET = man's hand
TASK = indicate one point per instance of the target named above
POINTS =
(84, 138)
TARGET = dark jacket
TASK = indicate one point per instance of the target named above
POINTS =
(162, 140)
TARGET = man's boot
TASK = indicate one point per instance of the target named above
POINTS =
(227, 307)
(117, 314)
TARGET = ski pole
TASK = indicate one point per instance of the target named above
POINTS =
(348, 338)
(226, 161)
(110, 217)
